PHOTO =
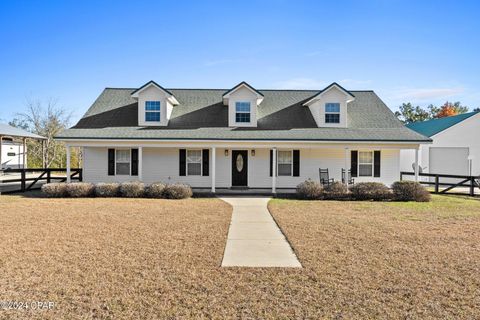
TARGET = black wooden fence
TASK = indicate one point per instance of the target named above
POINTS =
(25, 183)
(470, 182)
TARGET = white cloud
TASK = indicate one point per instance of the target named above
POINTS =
(426, 93)
(301, 83)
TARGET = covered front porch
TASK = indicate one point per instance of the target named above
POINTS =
(238, 167)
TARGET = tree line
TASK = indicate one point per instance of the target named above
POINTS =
(408, 113)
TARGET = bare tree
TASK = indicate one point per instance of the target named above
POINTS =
(47, 120)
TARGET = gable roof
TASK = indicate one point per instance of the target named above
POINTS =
(430, 128)
(7, 130)
(151, 82)
(243, 83)
(334, 84)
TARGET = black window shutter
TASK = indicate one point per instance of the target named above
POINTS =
(296, 163)
(134, 154)
(354, 162)
(376, 163)
(182, 162)
(271, 162)
(111, 162)
(206, 162)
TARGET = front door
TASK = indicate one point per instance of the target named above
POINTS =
(239, 168)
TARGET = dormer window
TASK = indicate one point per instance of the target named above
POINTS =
(152, 111)
(242, 112)
(332, 112)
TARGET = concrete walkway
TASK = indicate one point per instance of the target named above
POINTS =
(254, 239)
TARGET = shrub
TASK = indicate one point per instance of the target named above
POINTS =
(133, 189)
(177, 191)
(336, 191)
(370, 191)
(310, 190)
(410, 191)
(55, 190)
(80, 189)
(155, 190)
(107, 189)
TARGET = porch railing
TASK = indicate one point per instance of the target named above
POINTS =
(21, 180)
(470, 182)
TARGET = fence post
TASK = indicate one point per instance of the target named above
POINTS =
(436, 183)
(23, 180)
(401, 175)
(472, 185)
(80, 175)
(48, 176)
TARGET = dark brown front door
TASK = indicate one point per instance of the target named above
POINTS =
(239, 168)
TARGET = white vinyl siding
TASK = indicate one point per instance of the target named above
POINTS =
(161, 164)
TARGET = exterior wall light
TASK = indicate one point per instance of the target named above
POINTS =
(226, 152)
(253, 153)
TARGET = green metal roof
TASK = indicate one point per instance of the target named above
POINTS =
(432, 127)
(201, 115)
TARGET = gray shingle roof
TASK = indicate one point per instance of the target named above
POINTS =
(201, 115)
(6, 130)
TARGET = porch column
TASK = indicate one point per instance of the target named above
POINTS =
(346, 166)
(416, 164)
(274, 170)
(1, 139)
(24, 153)
(213, 168)
(68, 164)
(140, 163)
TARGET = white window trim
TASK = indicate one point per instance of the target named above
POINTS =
(159, 111)
(250, 112)
(201, 163)
(372, 164)
(291, 163)
(129, 163)
(339, 113)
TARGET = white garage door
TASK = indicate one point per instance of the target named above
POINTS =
(448, 160)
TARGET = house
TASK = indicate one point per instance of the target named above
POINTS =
(239, 137)
(455, 149)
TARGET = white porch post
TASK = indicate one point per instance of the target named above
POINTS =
(24, 153)
(213, 168)
(68, 163)
(274, 170)
(416, 164)
(140, 163)
(1, 139)
(346, 166)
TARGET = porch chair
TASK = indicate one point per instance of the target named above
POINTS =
(324, 177)
(350, 180)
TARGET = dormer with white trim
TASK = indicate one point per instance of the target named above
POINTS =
(155, 104)
(242, 101)
(329, 107)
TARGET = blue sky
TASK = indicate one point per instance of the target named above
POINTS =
(419, 51)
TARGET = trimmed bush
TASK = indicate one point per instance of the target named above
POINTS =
(370, 191)
(177, 191)
(155, 190)
(107, 190)
(410, 191)
(310, 190)
(55, 190)
(80, 189)
(133, 189)
(336, 191)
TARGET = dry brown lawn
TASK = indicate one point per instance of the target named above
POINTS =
(387, 260)
(155, 259)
